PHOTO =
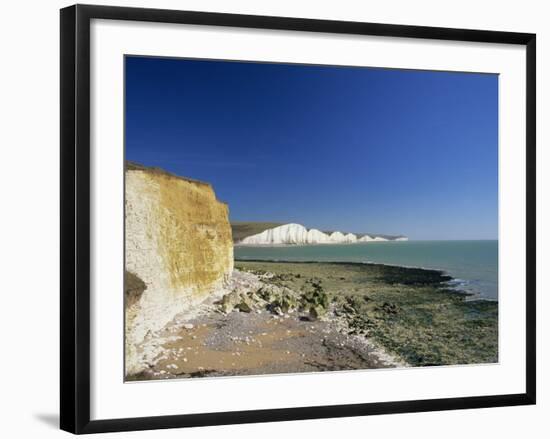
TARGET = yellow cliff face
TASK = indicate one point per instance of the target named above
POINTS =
(179, 243)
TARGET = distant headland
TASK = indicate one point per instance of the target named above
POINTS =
(296, 234)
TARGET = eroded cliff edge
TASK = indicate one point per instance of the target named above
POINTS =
(178, 244)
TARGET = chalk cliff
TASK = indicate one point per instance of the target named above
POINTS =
(337, 237)
(366, 238)
(178, 245)
(297, 234)
(349, 238)
(315, 236)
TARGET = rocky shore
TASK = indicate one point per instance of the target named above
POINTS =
(282, 317)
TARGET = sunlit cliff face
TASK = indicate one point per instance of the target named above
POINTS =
(178, 242)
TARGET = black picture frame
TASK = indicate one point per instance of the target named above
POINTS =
(75, 217)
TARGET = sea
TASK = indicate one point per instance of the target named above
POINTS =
(473, 265)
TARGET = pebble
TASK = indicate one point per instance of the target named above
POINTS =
(188, 326)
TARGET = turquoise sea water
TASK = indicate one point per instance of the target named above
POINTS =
(472, 264)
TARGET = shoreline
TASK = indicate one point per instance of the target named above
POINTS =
(412, 306)
(289, 317)
(461, 285)
(269, 335)
(457, 289)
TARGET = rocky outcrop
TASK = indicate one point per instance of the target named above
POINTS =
(178, 245)
(298, 234)
(280, 300)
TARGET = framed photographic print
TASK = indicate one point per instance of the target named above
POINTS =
(268, 218)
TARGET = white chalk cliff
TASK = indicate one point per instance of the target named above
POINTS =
(298, 234)
(287, 234)
(366, 238)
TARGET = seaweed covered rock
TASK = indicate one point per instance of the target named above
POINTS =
(278, 299)
(315, 300)
(237, 300)
(283, 302)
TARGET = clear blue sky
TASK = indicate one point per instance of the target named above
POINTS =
(353, 149)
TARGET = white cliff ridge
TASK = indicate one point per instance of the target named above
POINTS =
(337, 237)
(298, 234)
(366, 238)
(315, 236)
(287, 234)
(350, 237)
